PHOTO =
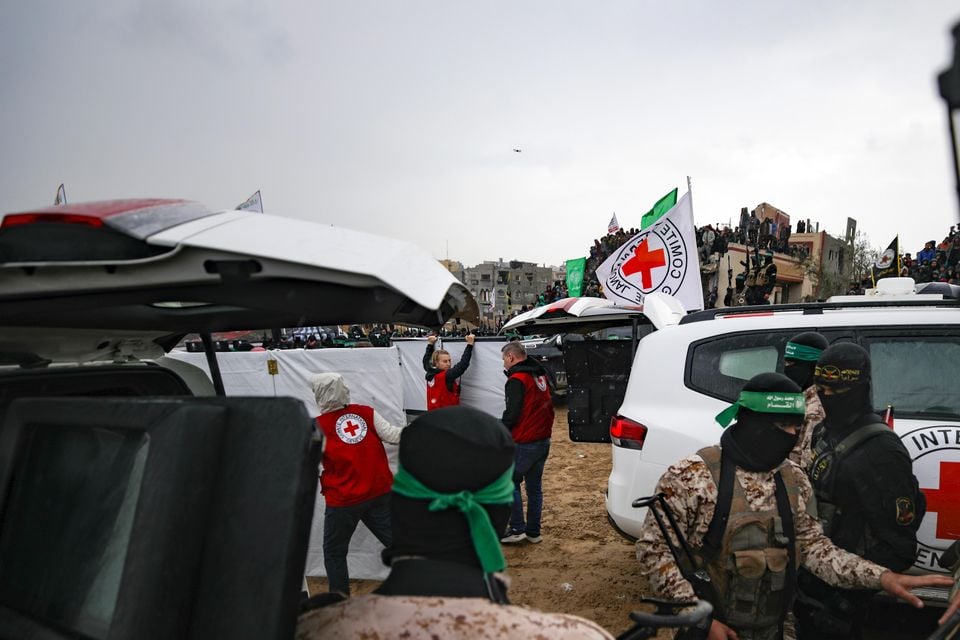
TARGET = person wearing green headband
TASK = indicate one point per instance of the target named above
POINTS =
(743, 508)
(799, 361)
(452, 495)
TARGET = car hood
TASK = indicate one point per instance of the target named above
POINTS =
(588, 314)
(198, 271)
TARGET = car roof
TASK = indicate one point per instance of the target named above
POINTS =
(163, 268)
(590, 314)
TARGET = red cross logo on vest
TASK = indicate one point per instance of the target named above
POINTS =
(351, 428)
(644, 261)
(945, 501)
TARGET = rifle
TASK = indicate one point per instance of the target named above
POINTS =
(691, 568)
(665, 617)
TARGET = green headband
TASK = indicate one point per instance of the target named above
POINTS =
(764, 402)
(486, 542)
(796, 351)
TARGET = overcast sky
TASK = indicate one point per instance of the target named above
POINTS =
(401, 117)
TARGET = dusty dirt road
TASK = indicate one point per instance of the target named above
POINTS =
(585, 568)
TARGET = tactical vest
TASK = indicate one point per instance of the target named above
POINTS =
(750, 566)
(826, 459)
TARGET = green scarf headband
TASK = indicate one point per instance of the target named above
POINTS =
(486, 542)
(796, 351)
(764, 402)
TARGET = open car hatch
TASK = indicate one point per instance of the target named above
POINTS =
(160, 269)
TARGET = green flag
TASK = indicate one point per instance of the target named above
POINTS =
(575, 270)
(663, 205)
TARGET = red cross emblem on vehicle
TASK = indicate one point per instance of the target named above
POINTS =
(945, 501)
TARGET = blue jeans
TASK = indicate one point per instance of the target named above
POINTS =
(338, 526)
(528, 461)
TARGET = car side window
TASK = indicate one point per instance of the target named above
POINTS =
(915, 374)
(719, 366)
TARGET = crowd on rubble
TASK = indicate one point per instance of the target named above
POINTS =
(712, 240)
(935, 262)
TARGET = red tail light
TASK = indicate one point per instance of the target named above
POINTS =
(626, 433)
(17, 219)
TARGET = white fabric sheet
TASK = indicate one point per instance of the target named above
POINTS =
(390, 379)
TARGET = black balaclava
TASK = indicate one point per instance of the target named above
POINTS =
(754, 442)
(845, 368)
(801, 370)
(448, 450)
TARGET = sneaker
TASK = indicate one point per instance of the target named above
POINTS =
(513, 538)
(534, 539)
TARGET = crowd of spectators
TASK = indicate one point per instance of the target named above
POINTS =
(935, 262)
(554, 292)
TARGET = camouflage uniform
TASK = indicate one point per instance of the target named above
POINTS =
(692, 496)
(802, 453)
(428, 617)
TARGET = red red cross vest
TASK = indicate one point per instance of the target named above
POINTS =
(438, 395)
(536, 415)
(355, 465)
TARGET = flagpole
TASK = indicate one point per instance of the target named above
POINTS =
(898, 257)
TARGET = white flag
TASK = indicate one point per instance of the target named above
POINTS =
(663, 257)
(61, 196)
(253, 203)
(613, 226)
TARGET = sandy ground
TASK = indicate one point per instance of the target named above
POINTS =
(584, 567)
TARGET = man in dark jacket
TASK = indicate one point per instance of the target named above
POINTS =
(868, 500)
(529, 417)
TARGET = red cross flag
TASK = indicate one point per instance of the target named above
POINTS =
(662, 257)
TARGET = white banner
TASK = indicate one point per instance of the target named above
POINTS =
(391, 379)
(662, 257)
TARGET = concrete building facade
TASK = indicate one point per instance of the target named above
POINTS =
(502, 288)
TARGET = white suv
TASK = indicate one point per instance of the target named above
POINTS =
(683, 375)
(655, 399)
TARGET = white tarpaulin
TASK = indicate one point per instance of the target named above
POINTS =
(481, 385)
(390, 379)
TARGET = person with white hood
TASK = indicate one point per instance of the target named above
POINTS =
(356, 478)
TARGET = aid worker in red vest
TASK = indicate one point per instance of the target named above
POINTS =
(356, 478)
(443, 378)
(529, 417)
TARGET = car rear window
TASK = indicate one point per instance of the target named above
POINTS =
(916, 375)
(720, 365)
